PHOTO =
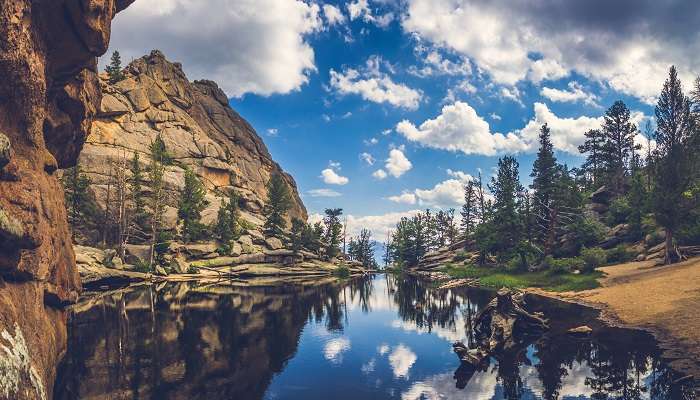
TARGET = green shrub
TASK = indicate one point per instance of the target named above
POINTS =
(587, 232)
(461, 256)
(593, 258)
(619, 211)
(562, 265)
(342, 271)
(246, 225)
(619, 254)
(192, 270)
(142, 266)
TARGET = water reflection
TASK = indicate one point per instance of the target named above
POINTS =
(376, 337)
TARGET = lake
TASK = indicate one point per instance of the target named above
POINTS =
(378, 337)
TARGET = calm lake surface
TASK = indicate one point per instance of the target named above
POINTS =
(380, 337)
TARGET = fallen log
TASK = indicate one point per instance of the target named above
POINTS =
(502, 326)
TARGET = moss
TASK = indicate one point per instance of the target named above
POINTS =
(498, 278)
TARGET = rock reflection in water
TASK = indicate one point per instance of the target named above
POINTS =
(378, 337)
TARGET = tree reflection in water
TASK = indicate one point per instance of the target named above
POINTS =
(189, 341)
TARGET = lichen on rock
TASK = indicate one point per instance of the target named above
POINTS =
(17, 374)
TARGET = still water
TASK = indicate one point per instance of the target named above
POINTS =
(380, 337)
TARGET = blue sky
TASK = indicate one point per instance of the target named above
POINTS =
(383, 107)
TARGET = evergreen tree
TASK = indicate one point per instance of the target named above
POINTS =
(190, 207)
(619, 148)
(226, 228)
(673, 160)
(114, 69)
(593, 166)
(297, 234)
(470, 209)
(506, 222)
(81, 209)
(362, 249)
(637, 199)
(279, 201)
(334, 230)
(544, 172)
(159, 239)
(136, 189)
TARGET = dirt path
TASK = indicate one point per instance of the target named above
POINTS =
(663, 300)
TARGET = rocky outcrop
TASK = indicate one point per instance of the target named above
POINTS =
(49, 93)
(201, 131)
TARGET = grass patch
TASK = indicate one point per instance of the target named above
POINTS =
(498, 278)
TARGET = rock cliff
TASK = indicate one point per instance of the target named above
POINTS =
(200, 130)
(49, 93)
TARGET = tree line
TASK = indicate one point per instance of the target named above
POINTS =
(649, 188)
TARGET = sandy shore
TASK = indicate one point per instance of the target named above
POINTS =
(663, 300)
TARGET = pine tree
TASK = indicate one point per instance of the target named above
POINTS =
(190, 206)
(470, 209)
(544, 171)
(506, 222)
(114, 69)
(619, 147)
(159, 239)
(361, 249)
(140, 216)
(673, 160)
(637, 199)
(593, 166)
(226, 228)
(333, 231)
(279, 201)
(297, 234)
(81, 209)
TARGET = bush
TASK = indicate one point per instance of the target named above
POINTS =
(192, 270)
(142, 266)
(619, 254)
(342, 271)
(619, 211)
(593, 258)
(587, 232)
(461, 256)
(562, 265)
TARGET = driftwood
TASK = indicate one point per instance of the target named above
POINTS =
(502, 326)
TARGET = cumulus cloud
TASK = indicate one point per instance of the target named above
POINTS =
(404, 198)
(397, 164)
(360, 9)
(323, 193)
(628, 45)
(247, 46)
(379, 174)
(573, 94)
(374, 85)
(380, 225)
(460, 128)
(434, 63)
(331, 177)
(333, 14)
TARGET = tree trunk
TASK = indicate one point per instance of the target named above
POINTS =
(668, 259)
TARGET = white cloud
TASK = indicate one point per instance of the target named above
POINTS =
(515, 42)
(323, 193)
(460, 175)
(404, 198)
(397, 164)
(246, 46)
(366, 157)
(575, 93)
(379, 225)
(459, 128)
(331, 177)
(374, 85)
(333, 14)
(435, 64)
(361, 9)
(379, 174)
(371, 141)
(272, 132)
(333, 349)
(401, 360)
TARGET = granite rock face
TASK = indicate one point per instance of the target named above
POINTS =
(201, 131)
(49, 93)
